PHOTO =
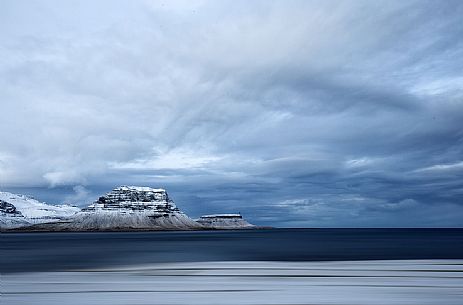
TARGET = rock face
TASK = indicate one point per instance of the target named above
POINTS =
(224, 221)
(129, 208)
(133, 199)
(10, 217)
(7, 209)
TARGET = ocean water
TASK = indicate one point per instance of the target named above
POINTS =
(280, 266)
(28, 252)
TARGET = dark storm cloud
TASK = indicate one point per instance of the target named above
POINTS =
(297, 113)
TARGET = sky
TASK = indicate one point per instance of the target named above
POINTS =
(294, 113)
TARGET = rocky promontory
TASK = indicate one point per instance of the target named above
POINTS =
(224, 221)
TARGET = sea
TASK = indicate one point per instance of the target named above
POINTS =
(64, 251)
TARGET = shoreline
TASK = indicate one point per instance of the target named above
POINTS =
(26, 230)
(256, 228)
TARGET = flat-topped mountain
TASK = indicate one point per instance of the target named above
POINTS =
(129, 208)
(135, 198)
(224, 221)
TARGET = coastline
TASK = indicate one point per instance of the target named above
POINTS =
(67, 230)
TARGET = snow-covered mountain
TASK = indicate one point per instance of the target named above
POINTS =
(124, 208)
(7, 209)
(135, 198)
(21, 210)
(10, 217)
(224, 221)
(128, 208)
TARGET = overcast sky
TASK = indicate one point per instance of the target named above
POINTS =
(294, 113)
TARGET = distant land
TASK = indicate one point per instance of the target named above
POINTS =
(125, 208)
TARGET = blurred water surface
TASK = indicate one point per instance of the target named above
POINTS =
(389, 282)
(29, 252)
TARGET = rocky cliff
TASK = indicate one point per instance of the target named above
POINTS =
(7, 209)
(10, 217)
(134, 199)
(224, 221)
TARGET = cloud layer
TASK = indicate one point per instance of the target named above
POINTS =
(296, 113)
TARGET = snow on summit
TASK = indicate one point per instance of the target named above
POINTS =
(135, 199)
(140, 189)
(32, 209)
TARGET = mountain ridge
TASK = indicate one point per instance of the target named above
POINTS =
(123, 208)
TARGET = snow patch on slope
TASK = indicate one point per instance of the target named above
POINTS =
(116, 220)
(9, 222)
(33, 211)
(141, 220)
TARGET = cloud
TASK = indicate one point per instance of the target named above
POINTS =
(442, 167)
(172, 159)
(81, 196)
(61, 178)
(396, 206)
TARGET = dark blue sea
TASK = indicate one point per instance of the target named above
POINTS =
(27, 252)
